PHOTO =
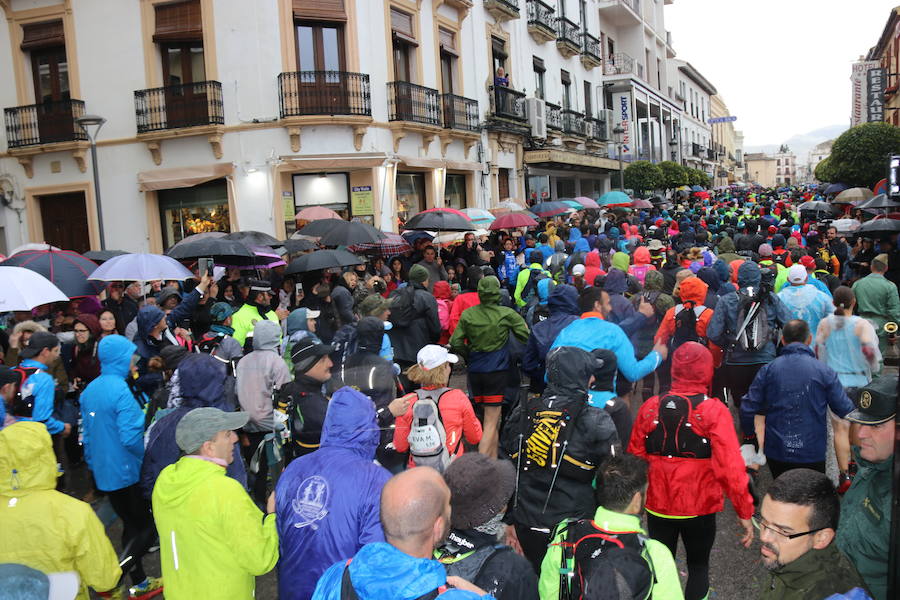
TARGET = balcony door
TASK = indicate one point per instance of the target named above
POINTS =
(184, 72)
(50, 70)
(321, 62)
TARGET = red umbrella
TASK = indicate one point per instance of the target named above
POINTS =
(513, 220)
(642, 203)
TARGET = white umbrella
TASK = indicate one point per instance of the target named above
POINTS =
(23, 289)
(34, 246)
(140, 267)
(845, 225)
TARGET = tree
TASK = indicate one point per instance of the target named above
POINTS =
(643, 176)
(859, 156)
(674, 175)
(824, 171)
(697, 177)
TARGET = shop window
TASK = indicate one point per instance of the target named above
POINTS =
(197, 209)
(455, 192)
(538, 188)
(331, 190)
(410, 194)
(565, 187)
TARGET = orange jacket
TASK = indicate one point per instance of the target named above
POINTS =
(458, 418)
(693, 289)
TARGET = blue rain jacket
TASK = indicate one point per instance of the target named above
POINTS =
(44, 389)
(563, 305)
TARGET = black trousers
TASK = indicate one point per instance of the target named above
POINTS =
(778, 467)
(258, 481)
(138, 529)
(697, 534)
(534, 545)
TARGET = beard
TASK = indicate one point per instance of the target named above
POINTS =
(773, 563)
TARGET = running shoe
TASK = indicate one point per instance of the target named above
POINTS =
(152, 586)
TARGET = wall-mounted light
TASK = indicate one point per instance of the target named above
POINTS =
(323, 175)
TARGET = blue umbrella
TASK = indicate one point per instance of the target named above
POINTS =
(836, 188)
(573, 203)
(614, 197)
(67, 270)
(550, 209)
(696, 188)
(140, 267)
(412, 236)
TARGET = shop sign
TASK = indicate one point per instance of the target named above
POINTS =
(287, 200)
(875, 79)
(859, 86)
(623, 117)
(362, 201)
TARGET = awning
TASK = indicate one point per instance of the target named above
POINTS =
(185, 177)
(575, 159)
(437, 163)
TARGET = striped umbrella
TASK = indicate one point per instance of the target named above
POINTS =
(391, 245)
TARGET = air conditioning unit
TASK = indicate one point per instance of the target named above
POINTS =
(537, 117)
(605, 126)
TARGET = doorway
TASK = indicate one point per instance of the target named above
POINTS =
(64, 221)
(50, 73)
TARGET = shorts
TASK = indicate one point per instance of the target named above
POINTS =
(488, 388)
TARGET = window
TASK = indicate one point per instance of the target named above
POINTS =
(567, 88)
(197, 209)
(320, 46)
(610, 46)
(499, 55)
(455, 191)
(659, 71)
(539, 70)
(503, 183)
(410, 194)
(49, 65)
(561, 8)
(565, 187)
(647, 61)
(449, 56)
(404, 45)
(588, 108)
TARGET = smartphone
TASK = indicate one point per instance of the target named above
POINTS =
(205, 265)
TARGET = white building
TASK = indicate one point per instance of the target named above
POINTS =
(817, 154)
(696, 91)
(785, 167)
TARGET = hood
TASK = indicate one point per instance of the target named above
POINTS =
(574, 234)
(581, 245)
(369, 334)
(563, 300)
(441, 290)
(692, 369)
(266, 335)
(749, 275)
(89, 305)
(621, 261)
(201, 380)
(642, 255)
(778, 241)
(605, 369)
(177, 482)
(709, 277)
(167, 293)
(569, 370)
(559, 246)
(722, 270)
(27, 462)
(114, 352)
(147, 318)
(91, 322)
(489, 291)
(28, 326)
(592, 259)
(616, 282)
(350, 423)
(693, 290)
(726, 245)
(654, 280)
(296, 321)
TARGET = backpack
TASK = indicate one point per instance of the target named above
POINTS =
(472, 564)
(23, 403)
(674, 435)
(208, 344)
(402, 307)
(427, 436)
(444, 307)
(344, 343)
(534, 276)
(591, 554)
(686, 317)
(753, 323)
(348, 592)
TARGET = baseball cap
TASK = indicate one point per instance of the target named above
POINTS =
(797, 274)
(433, 356)
(37, 342)
(307, 351)
(8, 375)
(220, 311)
(877, 401)
(202, 424)
(578, 270)
(373, 305)
(808, 261)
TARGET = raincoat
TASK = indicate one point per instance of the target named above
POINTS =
(808, 303)
(259, 374)
(44, 390)
(592, 267)
(815, 574)
(623, 312)
(692, 289)
(245, 318)
(849, 345)
(45, 529)
(563, 305)
(641, 264)
(877, 300)
(213, 538)
(522, 280)
(328, 501)
(112, 419)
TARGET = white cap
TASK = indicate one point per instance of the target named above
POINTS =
(432, 356)
(797, 274)
(578, 270)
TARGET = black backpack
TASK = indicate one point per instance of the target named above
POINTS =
(686, 317)
(590, 553)
(753, 331)
(674, 435)
(534, 276)
(348, 592)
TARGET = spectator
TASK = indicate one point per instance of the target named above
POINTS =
(342, 297)
(414, 316)
(434, 266)
(303, 399)
(123, 302)
(877, 298)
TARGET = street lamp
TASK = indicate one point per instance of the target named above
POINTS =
(673, 147)
(619, 138)
(91, 125)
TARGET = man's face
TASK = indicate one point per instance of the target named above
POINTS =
(470, 240)
(876, 442)
(529, 242)
(429, 255)
(779, 518)
(385, 314)
(832, 233)
(604, 306)
(115, 291)
(134, 290)
(49, 355)
(222, 445)
(321, 371)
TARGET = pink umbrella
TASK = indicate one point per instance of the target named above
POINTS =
(586, 202)
(513, 220)
(315, 213)
(642, 203)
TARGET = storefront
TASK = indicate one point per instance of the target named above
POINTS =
(455, 191)
(330, 190)
(555, 174)
(198, 209)
(411, 198)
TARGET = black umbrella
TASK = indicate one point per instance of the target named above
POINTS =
(69, 271)
(879, 201)
(816, 206)
(349, 233)
(320, 227)
(221, 249)
(101, 256)
(440, 220)
(878, 227)
(253, 238)
(293, 245)
(322, 259)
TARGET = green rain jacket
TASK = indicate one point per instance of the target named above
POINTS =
(877, 301)
(522, 281)
(212, 537)
(816, 575)
(486, 327)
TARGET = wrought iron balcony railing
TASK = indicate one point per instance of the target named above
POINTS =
(411, 102)
(554, 117)
(179, 106)
(573, 122)
(44, 123)
(508, 103)
(324, 93)
(459, 112)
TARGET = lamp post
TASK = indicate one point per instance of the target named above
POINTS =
(618, 136)
(91, 125)
(673, 147)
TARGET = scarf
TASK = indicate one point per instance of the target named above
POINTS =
(222, 329)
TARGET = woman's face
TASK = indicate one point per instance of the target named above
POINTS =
(107, 322)
(378, 264)
(396, 266)
(82, 333)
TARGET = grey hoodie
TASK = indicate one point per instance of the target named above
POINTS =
(259, 374)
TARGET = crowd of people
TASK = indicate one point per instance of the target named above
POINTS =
(530, 414)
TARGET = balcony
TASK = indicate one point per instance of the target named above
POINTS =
(568, 38)
(45, 123)
(710, 154)
(597, 130)
(508, 103)
(303, 93)
(573, 123)
(541, 21)
(619, 64)
(696, 150)
(554, 117)
(460, 113)
(502, 10)
(414, 103)
(179, 106)
(591, 55)
(620, 12)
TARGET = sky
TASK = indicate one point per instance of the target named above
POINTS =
(782, 66)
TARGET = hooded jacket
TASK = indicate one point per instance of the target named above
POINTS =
(328, 501)
(694, 290)
(563, 305)
(709, 276)
(623, 312)
(414, 314)
(212, 536)
(45, 529)
(112, 419)
(592, 267)
(571, 496)
(726, 251)
(201, 382)
(689, 487)
(260, 374)
(642, 339)
(723, 325)
(641, 265)
(149, 316)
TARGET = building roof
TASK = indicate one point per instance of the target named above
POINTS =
(886, 35)
(695, 76)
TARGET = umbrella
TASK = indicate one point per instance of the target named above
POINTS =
(440, 219)
(261, 257)
(33, 246)
(549, 209)
(206, 235)
(696, 188)
(836, 188)
(392, 244)
(456, 237)
(479, 216)
(322, 259)
(878, 227)
(586, 202)
(67, 270)
(141, 267)
(101, 256)
(348, 233)
(23, 289)
(573, 203)
(815, 206)
(613, 198)
(220, 248)
(507, 206)
(851, 195)
(845, 225)
(879, 201)
(253, 238)
(413, 236)
(641, 203)
(319, 228)
(314, 213)
(513, 220)
(294, 245)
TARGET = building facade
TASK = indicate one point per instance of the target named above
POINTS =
(817, 154)
(785, 167)
(724, 141)
(696, 132)
(761, 169)
(884, 54)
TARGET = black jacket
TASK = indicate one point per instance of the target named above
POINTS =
(495, 568)
(414, 314)
(303, 401)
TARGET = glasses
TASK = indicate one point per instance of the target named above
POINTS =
(761, 524)
(80, 330)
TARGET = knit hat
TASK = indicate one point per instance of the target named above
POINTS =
(220, 311)
(418, 274)
(765, 250)
(808, 261)
(373, 305)
(480, 489)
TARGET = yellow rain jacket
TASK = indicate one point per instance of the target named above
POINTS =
(42, 528)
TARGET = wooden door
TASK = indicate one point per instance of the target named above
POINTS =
(65, 222)
(184, 72)
(320, 58)
(50, 71)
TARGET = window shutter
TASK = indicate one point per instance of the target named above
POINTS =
(538, 64)
(320, 10)
(448, 41)
(178, 22)
(402, 22)
(43, 35)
